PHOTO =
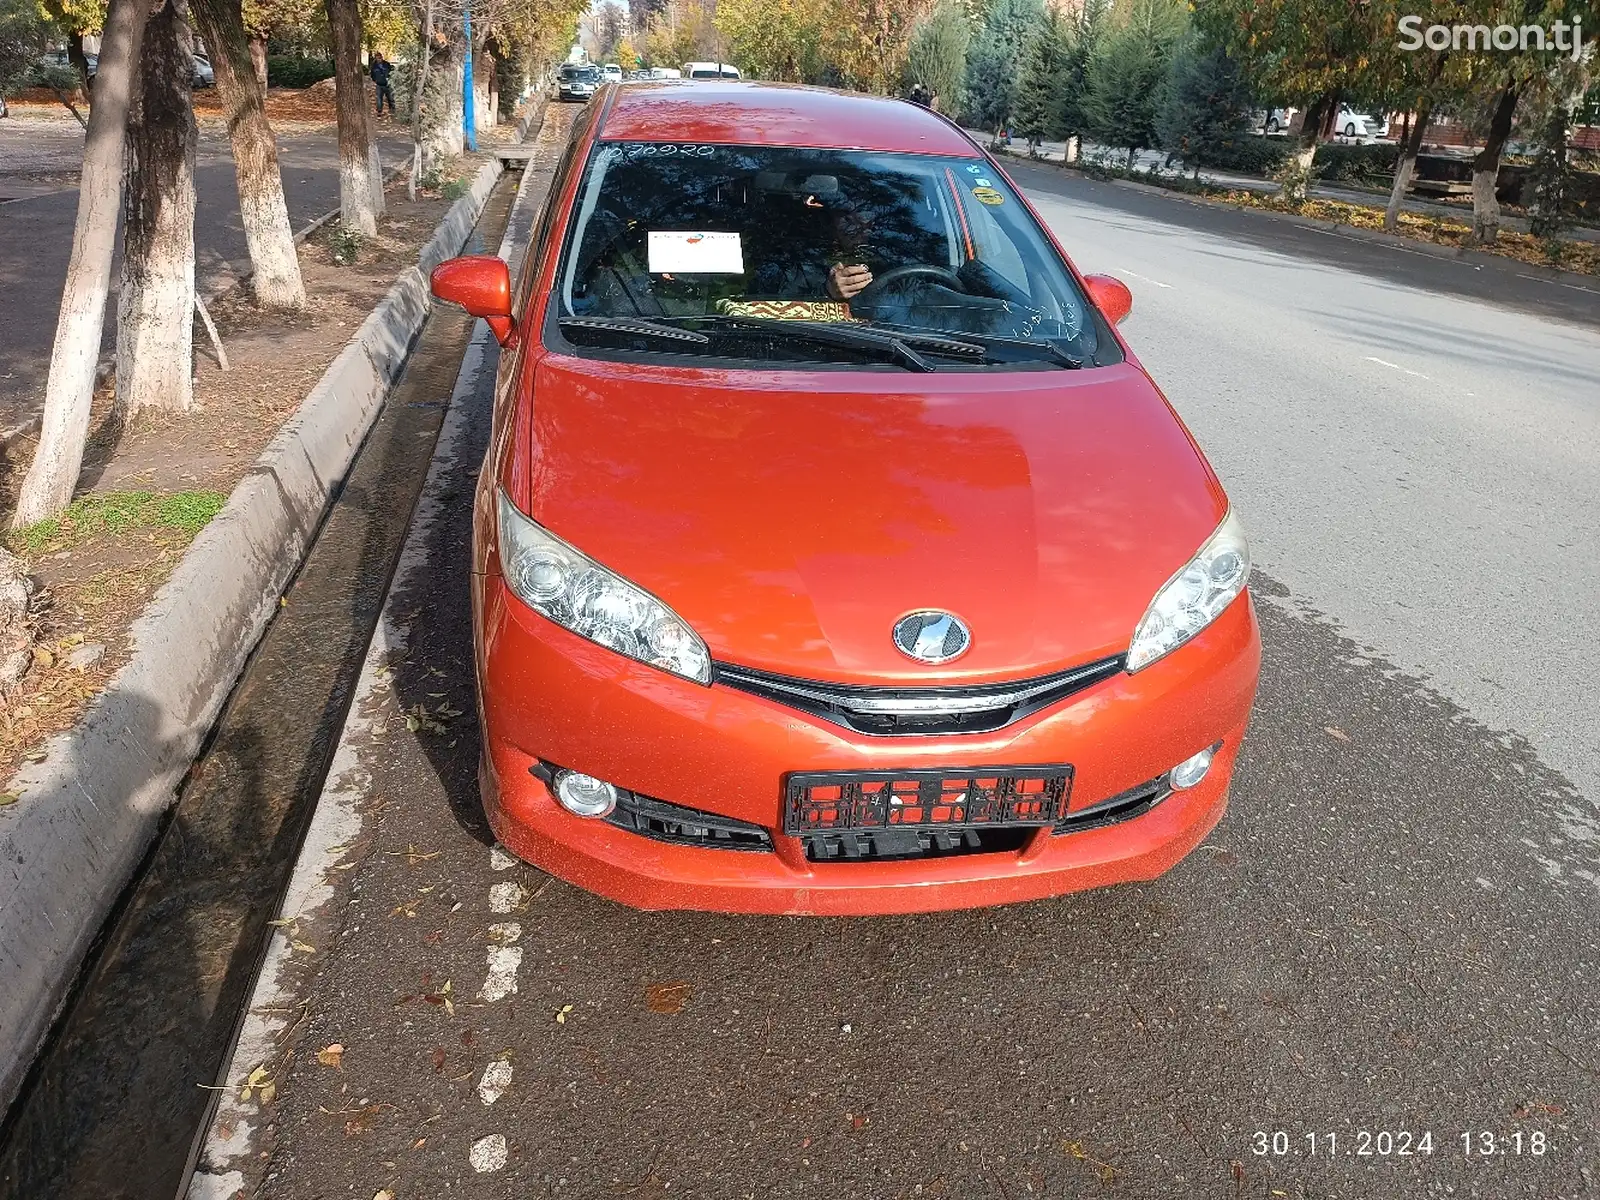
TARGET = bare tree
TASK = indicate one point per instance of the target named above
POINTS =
(53, 474)
(359, 200)
(155, 316)
(276, 279)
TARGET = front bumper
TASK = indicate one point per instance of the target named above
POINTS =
(546, 694)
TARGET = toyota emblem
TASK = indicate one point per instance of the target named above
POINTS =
(932, 636)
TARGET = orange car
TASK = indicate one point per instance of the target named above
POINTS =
(833, 553)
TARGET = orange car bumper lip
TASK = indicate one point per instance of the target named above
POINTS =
(549, 696)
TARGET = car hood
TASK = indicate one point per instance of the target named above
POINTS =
(792, 517)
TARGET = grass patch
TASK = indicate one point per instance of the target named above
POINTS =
(113, 513)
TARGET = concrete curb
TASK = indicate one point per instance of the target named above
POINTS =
(230, 1159)
(89, 810)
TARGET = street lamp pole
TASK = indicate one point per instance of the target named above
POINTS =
(469, 120)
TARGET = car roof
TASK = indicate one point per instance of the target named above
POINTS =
(777, 114)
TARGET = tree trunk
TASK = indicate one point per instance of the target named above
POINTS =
(258, 57)
(1314, 125)
(442, 133)
(276, 279)
(358, 206)
(53, 474)
(155, 317)
(419, 89)
(1486, 170)
(1407, 163)
(78, 59)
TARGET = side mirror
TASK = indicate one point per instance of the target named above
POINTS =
(481, 284)
(1111, 296)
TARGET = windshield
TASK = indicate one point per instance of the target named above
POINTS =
(587, 74)
(693, 235)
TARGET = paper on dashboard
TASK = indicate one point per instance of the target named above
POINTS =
(695, 253)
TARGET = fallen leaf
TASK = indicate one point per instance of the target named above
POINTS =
(386, 1194)
(667, 997)
(561, 1017)
(43, 657)
(438, 1060)
(332, 1055)
(1334, 731)
(268, 1091)
(303, 947)
(8, 798)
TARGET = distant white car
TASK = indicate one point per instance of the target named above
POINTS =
(612, 73)
(710, 70)
(1362, 126)
(1349, 123)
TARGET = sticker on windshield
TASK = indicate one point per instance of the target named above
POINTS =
(987, 195)
(974, 170)
(980, 181)
(695, 253)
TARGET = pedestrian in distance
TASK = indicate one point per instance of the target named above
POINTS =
(380, 69)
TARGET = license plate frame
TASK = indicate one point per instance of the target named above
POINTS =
(1006, 797)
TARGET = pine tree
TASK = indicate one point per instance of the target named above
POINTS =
(993, 60)
(1084, 37)
(937, 55)
(1035, 114)
(1202, 111)
(1550, 179)
(1125, 77)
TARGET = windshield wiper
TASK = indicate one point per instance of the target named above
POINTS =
(1040, 349)
(891, 347)
(635, 327)
(965, 343)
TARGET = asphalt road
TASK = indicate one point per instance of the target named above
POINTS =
(39, 161)
(1391, 937)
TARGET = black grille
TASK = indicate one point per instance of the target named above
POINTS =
(685, 826)
(1124, 806)
(858, 844)
(890, 712)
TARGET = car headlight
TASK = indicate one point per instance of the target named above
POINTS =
(577, 593)
(1195, 596)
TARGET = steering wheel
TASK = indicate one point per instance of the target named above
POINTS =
(870, 294)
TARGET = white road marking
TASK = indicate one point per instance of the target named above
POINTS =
(1146, 278)
(503, 963)
(506, 897)
(496, 1079)
(504, 933)
(501, 859)
(1397, 367)
(1574, 286)
(488, 1153)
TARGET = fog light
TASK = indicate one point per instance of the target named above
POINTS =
(1192, 770)
(584, 795)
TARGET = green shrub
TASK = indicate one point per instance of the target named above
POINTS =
(1248, 154)
(58, 77)
(1348, 163)
(297, 71)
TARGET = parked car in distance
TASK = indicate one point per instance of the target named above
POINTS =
(1360, 125)
(577, 81)
(832, 553)
(204, 76)
(709, 70)
(612, 73)
(1349, 123)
